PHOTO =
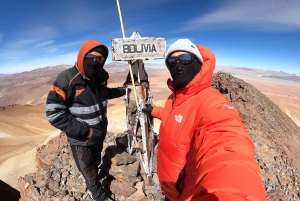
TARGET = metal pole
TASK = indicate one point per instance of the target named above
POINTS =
(129, 62)
(120, 16)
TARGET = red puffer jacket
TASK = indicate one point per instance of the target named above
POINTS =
(204, 150)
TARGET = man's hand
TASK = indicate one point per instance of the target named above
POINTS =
(89, 135)
(122, 90)
(148, 109)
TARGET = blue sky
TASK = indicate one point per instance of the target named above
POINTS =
(262, 34)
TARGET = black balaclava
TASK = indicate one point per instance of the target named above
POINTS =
(93, 68)
(183, 74)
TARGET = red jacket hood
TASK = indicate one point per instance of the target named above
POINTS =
(201, 81)
(85, 48)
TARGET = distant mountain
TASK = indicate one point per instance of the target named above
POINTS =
(288, 77)
(31, 87)
(28, 87)
(252, 72)
(5, 75)
(40, 72)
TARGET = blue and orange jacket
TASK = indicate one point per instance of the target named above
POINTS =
(204, 150)
(75, 104)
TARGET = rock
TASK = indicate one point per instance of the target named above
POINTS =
(123, 140)
(53, 185)
(40, 182)
(120, 189)
(118, 156)
(127, 180)
(130, 170)
(65, 174)
(274, 134)
(138, 146)
(139, 194)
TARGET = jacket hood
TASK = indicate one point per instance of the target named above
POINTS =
(85, 48)
(202, 80)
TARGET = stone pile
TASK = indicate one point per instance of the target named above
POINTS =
(58, 179)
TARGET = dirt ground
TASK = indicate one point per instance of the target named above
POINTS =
(285, 94)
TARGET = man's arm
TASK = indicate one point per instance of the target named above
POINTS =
(58, 114)
(116, 92)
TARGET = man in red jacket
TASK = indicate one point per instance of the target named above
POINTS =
(204, 151)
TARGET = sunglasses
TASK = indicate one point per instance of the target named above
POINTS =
(183, 58)
(91, 57)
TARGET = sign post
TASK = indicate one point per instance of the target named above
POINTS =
(129, 61)
(137, 47)
(134, 50)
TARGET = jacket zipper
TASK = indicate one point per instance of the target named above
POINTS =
(173, 101)
(100, 105)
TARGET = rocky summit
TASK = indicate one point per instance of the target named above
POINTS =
(275, 135)
(58, 178)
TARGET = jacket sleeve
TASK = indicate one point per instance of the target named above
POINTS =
(226, 168)
(157, 112)
(115, 92)
(57, 111)
(110, 92)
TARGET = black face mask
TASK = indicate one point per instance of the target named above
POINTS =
(183, 74)
(92, 68)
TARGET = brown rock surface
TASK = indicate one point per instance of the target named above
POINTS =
(58, 177)
(275, 135)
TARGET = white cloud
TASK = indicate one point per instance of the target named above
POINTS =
(267, 15)
(44, 43)
(32, 37)
(27, 48)
(40, 32)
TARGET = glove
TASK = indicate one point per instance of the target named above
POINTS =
(148, 109)
(122, 91)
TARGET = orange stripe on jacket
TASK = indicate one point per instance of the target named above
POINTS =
(58, 91)
(73, 78)
(78, 92)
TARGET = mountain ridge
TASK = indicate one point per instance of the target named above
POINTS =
(14, 88)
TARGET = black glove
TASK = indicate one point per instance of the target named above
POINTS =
(148, 109)
(122, 91)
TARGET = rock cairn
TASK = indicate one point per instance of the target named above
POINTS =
(58, 179)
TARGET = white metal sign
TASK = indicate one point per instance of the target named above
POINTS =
(138, 48)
